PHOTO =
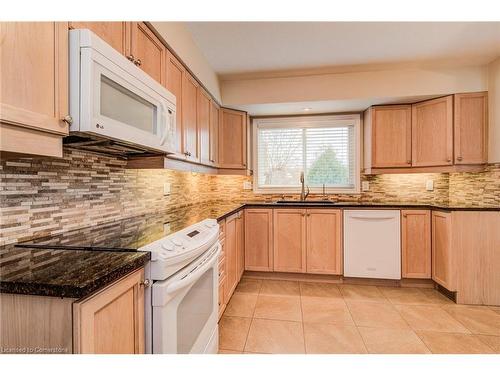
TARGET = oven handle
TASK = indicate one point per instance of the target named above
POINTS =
(196, 273)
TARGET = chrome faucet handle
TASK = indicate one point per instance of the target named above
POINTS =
(307, 194)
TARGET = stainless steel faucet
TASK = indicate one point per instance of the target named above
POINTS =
(303, 194)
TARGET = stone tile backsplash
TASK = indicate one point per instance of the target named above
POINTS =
(44, 196)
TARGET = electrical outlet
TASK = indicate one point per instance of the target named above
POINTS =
(429, 185)
(247, 185)
(166, 228)
(365, 186)
(166, 188)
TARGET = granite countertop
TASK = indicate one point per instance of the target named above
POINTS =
(64, 273)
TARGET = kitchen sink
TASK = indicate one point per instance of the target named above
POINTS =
(311, 202)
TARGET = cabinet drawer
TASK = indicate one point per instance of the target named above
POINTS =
(222, 229)
(222, 267)
(222, 293)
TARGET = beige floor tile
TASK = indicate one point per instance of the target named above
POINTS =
(280, 288)
(430, 318)
(332, 338)
(436, 297)
(376, 315)
(273, 336)
(412, 296)
(492, 341)
(392, 341)
(477, 319)
(325, 310)
(362, 292)
(251, 286)
(224, 351)
(233, 332)
(278, 308)
(453, 343)
(242, 305)
(316, 289)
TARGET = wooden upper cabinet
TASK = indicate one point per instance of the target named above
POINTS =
(203, 122)
(147, 51)
(190, 117)
(324, 241)
(175, 78)
(113, 33)
(471, 126)
(111, 321)
(34, 73)
(233, 139)
(443, 271)
(416, 244)
(289, 240)
(259, 239)
(214, 132)
(432, 132)
(390, 136)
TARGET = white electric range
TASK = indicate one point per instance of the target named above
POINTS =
(182, 301)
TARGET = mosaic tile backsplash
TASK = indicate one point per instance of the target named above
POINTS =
(44, 196)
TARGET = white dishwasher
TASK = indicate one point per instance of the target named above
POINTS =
(372, 246)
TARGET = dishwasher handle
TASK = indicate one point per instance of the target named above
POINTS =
(372, 218)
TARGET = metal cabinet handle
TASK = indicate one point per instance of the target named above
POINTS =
(138, 62)
(145, 283)
(68, 119)
(408, 162)
(459, 158)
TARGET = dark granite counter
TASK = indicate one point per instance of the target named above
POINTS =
(64, 273)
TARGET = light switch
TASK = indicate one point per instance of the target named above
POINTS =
(429, 185)
(365, 185)
(166, 188)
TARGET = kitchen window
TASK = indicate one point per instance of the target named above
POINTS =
(325, 148)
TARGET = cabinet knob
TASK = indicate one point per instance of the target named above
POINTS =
(408, 162)
(130, 58)
(448, 160)
(404, 215)
(68, 119)
(138, 62)
(459, 158)
(145, 283)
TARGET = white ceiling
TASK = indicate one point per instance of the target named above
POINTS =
(242, 47)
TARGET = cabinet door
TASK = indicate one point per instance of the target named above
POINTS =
(112, 321)
(231, 256)
(175, 79)
(113, 33)
(148, 51)
(203, 124)
(259, 239)
(232, 139)
(240, 245)
(189, 117)
(214, 132)
(34, 74)
(416, 244)
(391, 136)
(324, 241)
(432, 132)
(289, 240)
(222, 295)
(442, 257)
(471, 123)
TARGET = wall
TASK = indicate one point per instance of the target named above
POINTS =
(494, 110)
(355, 85)
(179, 39)
(44, 196)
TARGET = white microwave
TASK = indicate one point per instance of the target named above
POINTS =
(114, 101)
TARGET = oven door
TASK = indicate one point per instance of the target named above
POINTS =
(122, 106)
(185, 308)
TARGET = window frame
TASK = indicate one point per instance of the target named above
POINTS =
(308, 122)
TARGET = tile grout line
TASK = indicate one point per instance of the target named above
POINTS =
(252, 317)
(302, 315)
(355, 325)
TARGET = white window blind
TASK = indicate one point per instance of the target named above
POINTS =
(325, 150)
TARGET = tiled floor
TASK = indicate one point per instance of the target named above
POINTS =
(270, 316)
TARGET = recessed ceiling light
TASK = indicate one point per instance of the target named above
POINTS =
(306, 109)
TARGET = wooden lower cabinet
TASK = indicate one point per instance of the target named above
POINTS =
(258, 239)
(289, 240)
(107, 322)
(416, 244)
(111, 321)
(231, 255)
(324, 241)
(443, 260)
(240, 245)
